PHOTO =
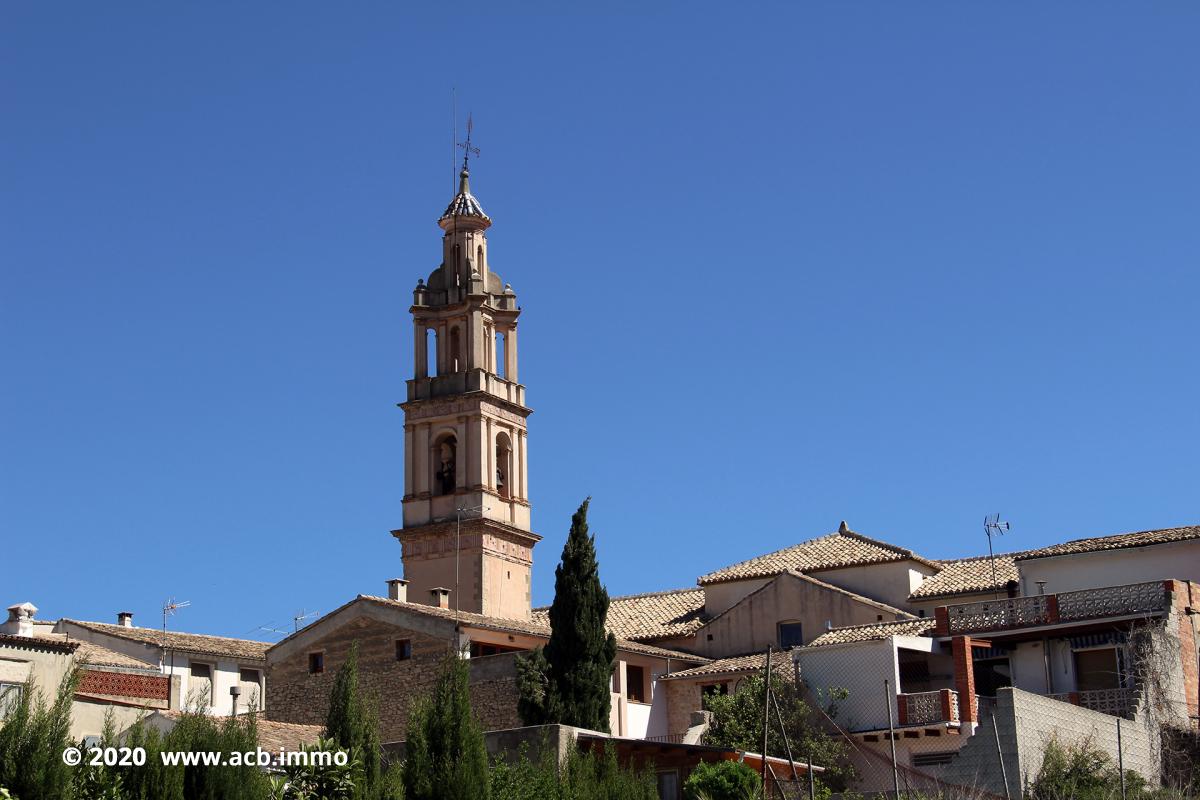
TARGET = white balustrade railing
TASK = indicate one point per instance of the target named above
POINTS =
(1112, 601)
(1010, 612)
(1023, 612)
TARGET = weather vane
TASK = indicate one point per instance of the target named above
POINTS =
(468, 149)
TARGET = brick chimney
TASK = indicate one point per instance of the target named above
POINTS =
(20, 620)
(441, 597)
(398, 590)
(125, 619)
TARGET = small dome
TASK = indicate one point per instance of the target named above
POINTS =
(464, 203)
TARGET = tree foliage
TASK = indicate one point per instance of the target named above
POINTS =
(738, 719)
(722, 780)
(569, 681)
(352, 722)
(1081, 772)
(32, 739)
(446, 756)
(588, 775)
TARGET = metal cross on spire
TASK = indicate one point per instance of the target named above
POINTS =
(468, 149)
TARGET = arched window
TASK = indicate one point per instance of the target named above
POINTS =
(445, 460)
(479, 259)
(456, 362)
(503, 465)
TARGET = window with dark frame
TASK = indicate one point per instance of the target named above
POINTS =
(403, 649)
(316, 663)
(635, 683)
(791, 635)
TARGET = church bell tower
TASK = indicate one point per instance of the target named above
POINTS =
(466, 493)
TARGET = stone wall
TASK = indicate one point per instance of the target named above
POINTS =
(683, 697)
(298, 696)
(1027, 723)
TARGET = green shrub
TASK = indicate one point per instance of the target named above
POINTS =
(722, 780)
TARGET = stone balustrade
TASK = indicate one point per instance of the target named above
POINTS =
(1036, 610)
(927, 708)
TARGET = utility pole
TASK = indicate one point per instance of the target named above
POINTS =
(887, 696)
(766, 719)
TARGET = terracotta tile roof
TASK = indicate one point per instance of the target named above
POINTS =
(842, 549)
(96, 655)
(531, 628)
(272, 735)
(1116, 542)
(736, 665)
(875, 630)
(653, 615)
(203, 644)
(964, 575)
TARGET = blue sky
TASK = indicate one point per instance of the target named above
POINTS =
(780, 264)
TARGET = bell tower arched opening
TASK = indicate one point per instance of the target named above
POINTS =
(444, 458)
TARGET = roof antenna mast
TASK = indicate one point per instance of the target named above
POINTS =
(169, 609)
(992, 526)
(468, 149)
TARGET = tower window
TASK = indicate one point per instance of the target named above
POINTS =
(431, 352)
(456, 363)
(479, 259)
(503, 465)
(316, 663)
(403, 649)
(501, 348)
(445, 475)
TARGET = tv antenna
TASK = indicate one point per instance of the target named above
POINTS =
(268, 629)
(992, 526)
(169, 608)
(301, 615)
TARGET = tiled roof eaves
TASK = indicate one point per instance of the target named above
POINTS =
(518, 626)
(1119, 541)
(202, 644)
(853, 634)
(747, 570)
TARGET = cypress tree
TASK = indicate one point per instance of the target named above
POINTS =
(446, 758)
(580, 653)
(353, 722)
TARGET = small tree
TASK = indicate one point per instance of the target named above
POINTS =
(722, 780)
(738, 718)
(569, 683)
(446, 756)
(1081, 772)
(353, 724)
(32, 739)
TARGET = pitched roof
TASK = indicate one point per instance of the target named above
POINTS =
(184, 642)
(1116, 542)
(873, 631)
(519, 626)
(842, 549)
(272, 734)
(736, 665)
(964, 575)
(96, 655)
(653, 615)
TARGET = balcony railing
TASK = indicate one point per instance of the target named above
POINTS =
(928, 708)
(1118, 702)
(990, 615)
(1027, 612)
